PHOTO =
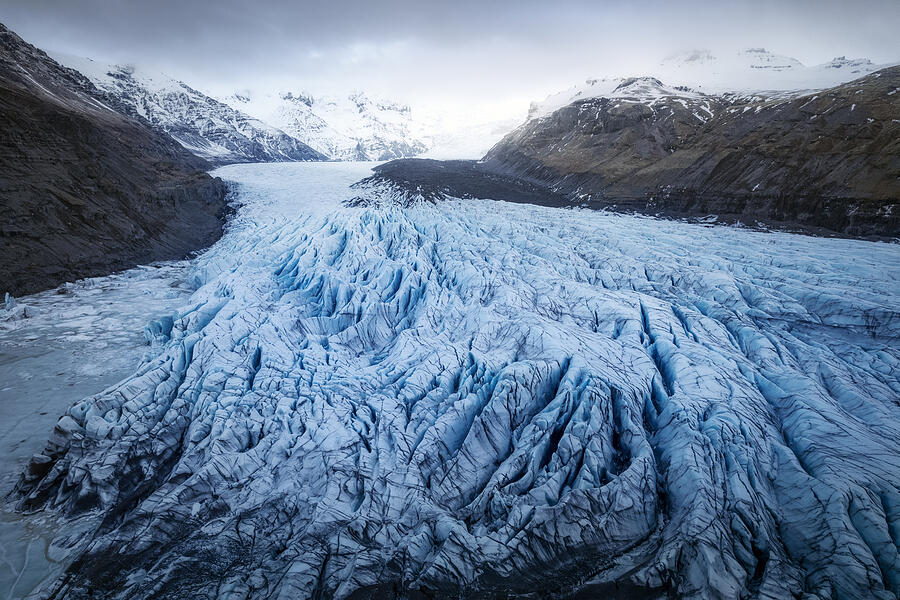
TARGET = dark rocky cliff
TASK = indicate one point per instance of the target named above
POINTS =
(84, 189)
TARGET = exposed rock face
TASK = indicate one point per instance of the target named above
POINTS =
(473, 400)
(210, 129)
(828, 162)
(84, 189)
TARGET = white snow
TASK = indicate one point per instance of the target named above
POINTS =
(752, 72)
(357, 126)
(466, 140)
(759, 70)
(633, 89)
(475, 391)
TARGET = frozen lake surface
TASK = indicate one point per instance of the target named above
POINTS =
(461, 396)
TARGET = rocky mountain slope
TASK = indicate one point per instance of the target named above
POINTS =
(829, 160)
(210, 129)
(84, 189)
(358, 126)
(825, 163)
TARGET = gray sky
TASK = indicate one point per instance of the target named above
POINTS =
(450, 53)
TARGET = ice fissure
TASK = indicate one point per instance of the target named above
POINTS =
(475, 399)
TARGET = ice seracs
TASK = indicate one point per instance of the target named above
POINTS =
(475, 398)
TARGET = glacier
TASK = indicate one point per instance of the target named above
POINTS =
(476, 399)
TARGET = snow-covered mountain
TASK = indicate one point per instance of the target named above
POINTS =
(207, 127)
(754, 71)
(265, 126)
(358, 126)
(826, 159)
(634, 89)
(757, 69)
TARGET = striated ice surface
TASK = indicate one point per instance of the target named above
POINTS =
(481, 399)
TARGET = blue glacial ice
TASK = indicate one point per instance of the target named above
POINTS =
(477, 399)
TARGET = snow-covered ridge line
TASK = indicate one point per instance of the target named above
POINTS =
(485, 397)
(754, 72)
(287, 126)
(357, 126)
(208, 128)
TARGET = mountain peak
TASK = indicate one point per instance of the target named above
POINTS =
(353, 126)
(632, 82)
(854, 64)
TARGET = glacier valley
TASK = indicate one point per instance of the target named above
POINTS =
(478, 399)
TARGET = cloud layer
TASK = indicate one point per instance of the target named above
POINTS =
(441, 53)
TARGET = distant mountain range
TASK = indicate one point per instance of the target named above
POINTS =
(260, 127)
(357, 126)
(752, 72)
(267, 126)
(210, 129)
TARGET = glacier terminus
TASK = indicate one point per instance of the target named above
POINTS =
(478, 399)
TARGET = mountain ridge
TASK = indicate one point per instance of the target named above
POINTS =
(355, 126)
(207, 127)
(751, 72)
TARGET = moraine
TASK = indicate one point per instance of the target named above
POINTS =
(478, 399)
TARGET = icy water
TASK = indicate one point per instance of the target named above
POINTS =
(471, 395)
(68, 346)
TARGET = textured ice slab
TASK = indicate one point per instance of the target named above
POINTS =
(485, 398)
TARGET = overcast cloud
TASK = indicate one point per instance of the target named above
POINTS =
(441, 53)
